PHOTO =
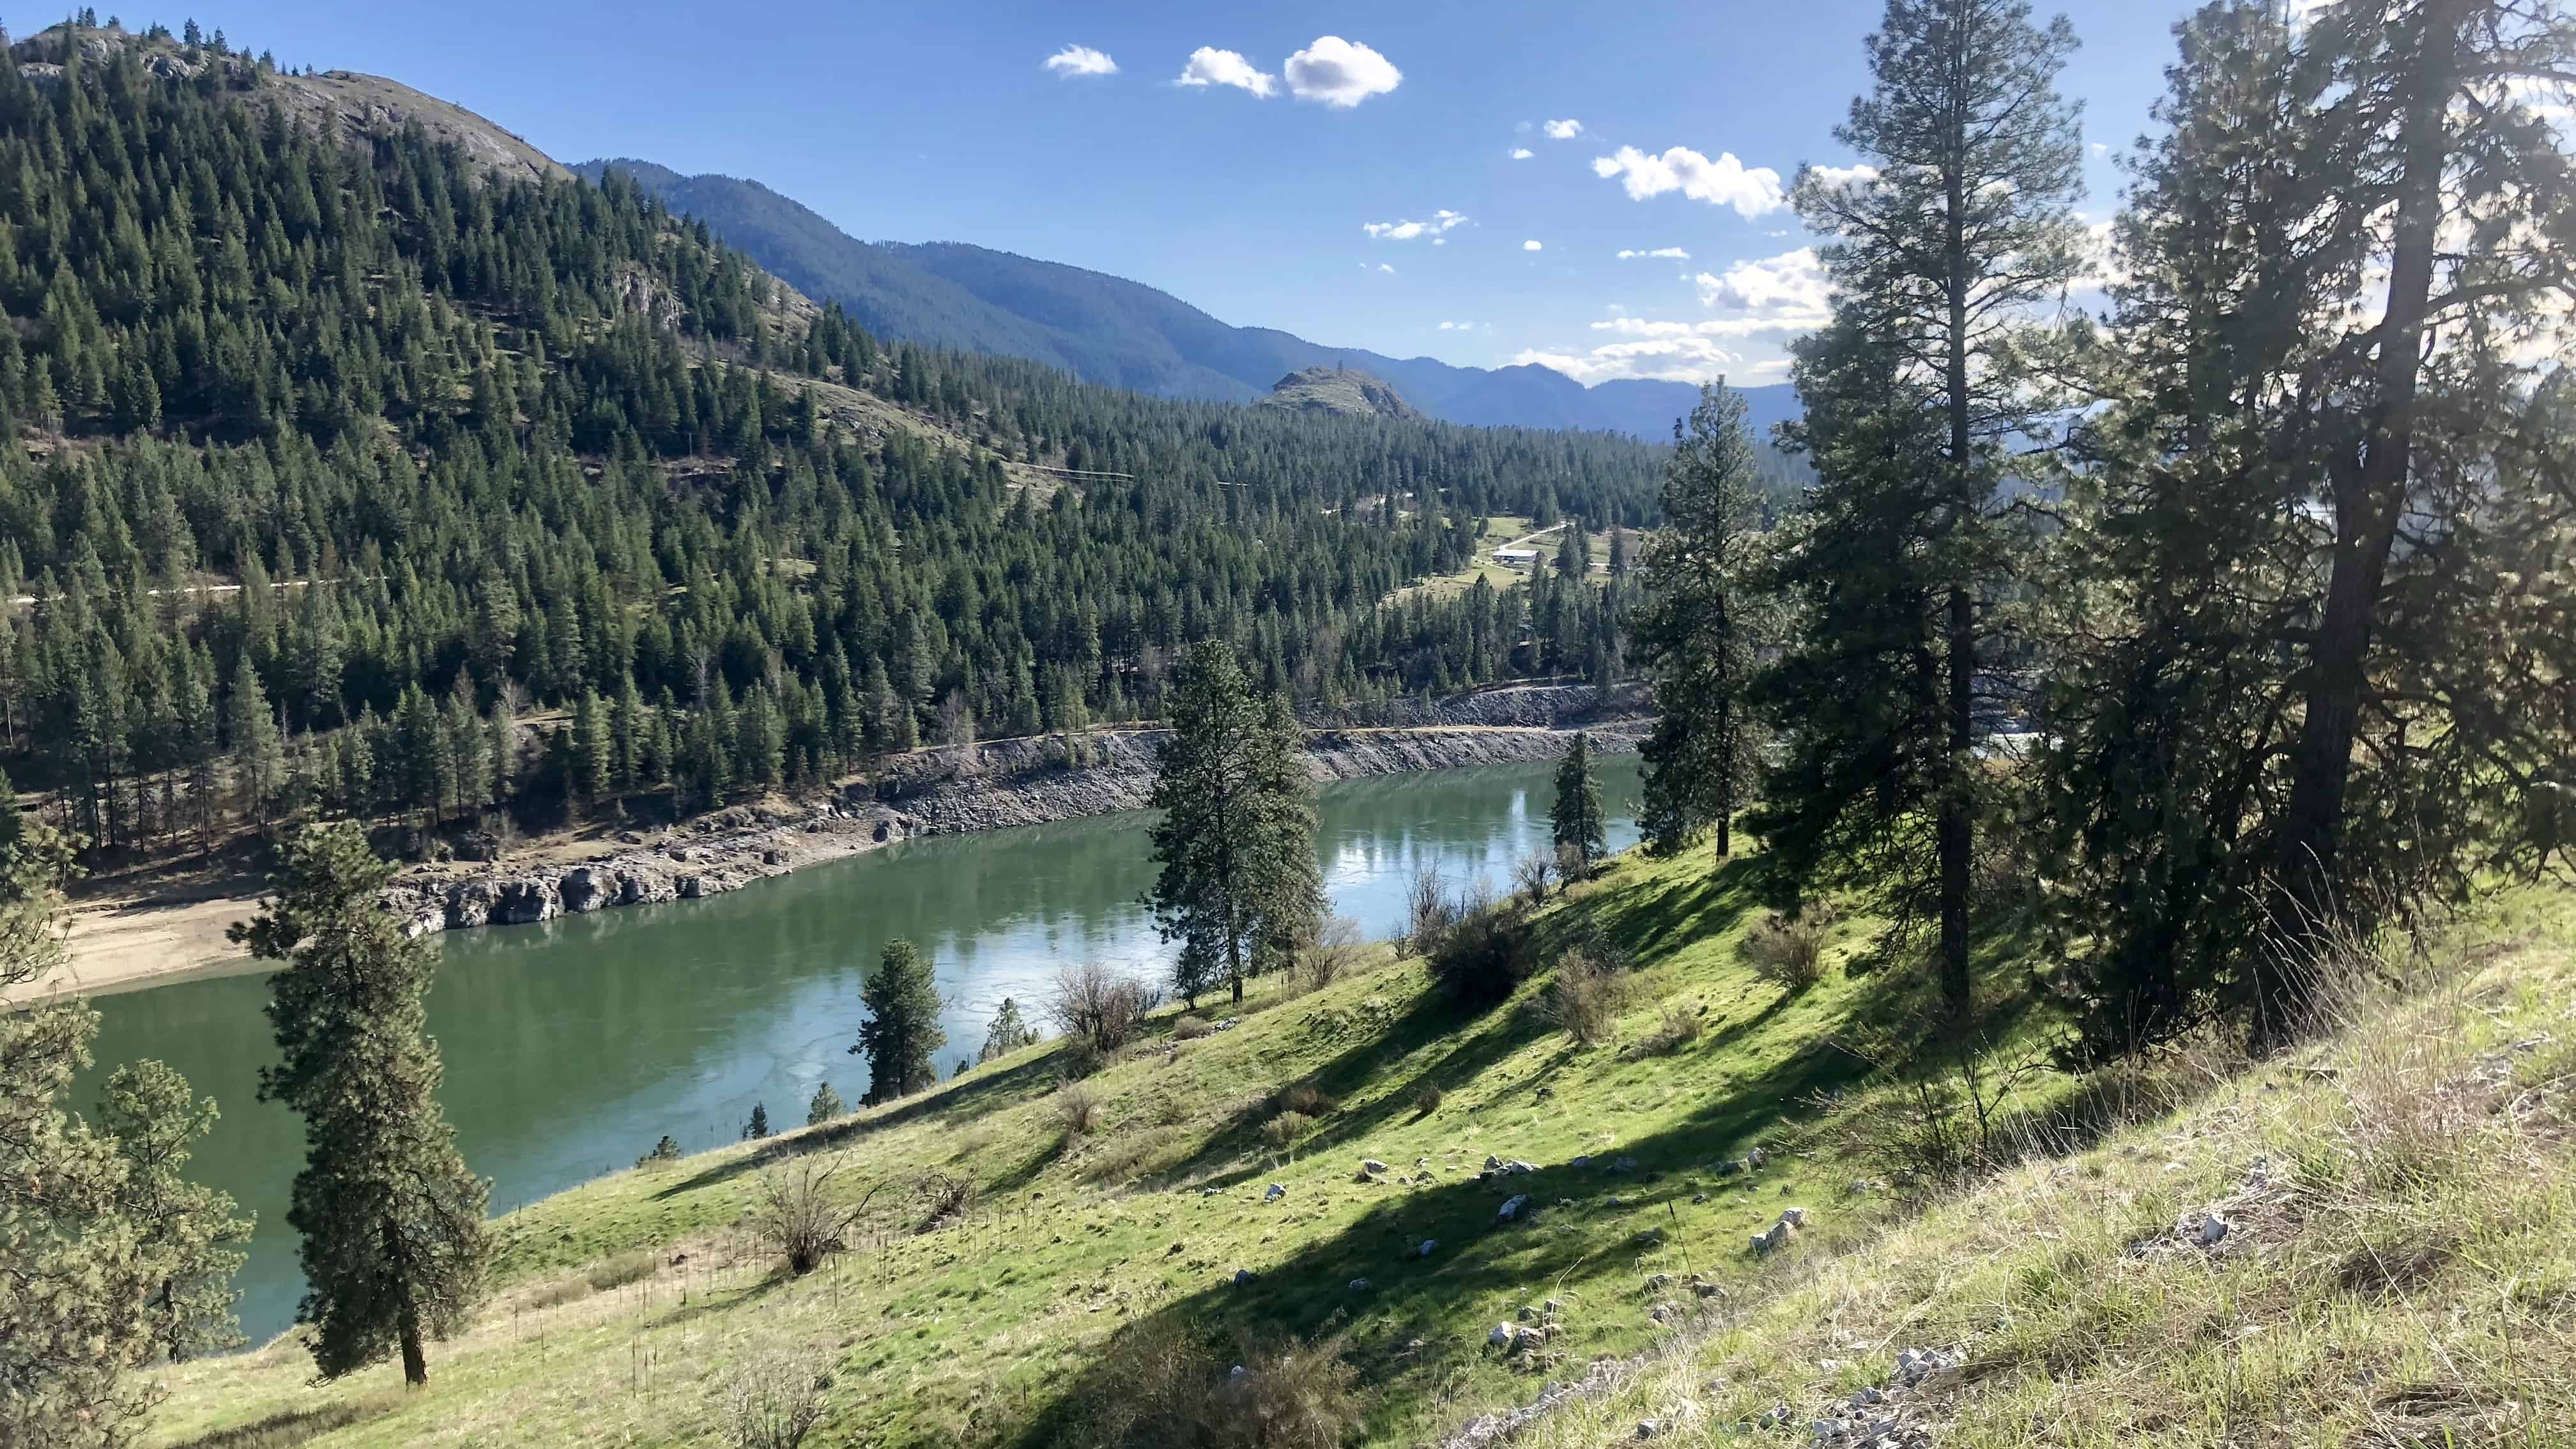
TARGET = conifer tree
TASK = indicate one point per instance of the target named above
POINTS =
(259, 756)
(902, 1031)
(1577, 820)
(825, 1105)
(393, 1248)
(758, 1127)
(1700, 628)
(1236, 841)
(1952, 230)
(1008, 1032)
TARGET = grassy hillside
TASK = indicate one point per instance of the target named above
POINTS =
(2397, 1199)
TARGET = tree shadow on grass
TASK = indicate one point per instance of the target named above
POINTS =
(959, 1099)
(1582, 1246)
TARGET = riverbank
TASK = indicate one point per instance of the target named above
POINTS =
(130, 940)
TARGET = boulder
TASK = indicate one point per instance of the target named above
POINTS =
(469, 904)
(1795, 1217)
(1372, 1165)
(1512, 1207)
(1274, 1192)
(584, 889)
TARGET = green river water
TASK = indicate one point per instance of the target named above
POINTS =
(573, 1045)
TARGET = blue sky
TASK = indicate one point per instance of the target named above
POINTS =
(945, 122)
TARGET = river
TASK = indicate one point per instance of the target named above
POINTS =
(572, 1046)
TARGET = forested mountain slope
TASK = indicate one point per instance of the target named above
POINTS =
(471, 441)
(1111, 330)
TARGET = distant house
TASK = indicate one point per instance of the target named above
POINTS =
(1523, 559)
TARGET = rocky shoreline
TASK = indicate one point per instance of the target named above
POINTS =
(986, 787)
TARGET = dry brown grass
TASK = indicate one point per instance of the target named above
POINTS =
(1585, 997)
(1162, 1383)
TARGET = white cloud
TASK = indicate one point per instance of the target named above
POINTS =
(1531, 246)
(1848, 179)
(1340, 72)
(1383, 267)
(1564, 130)
(1522, 153)
(1788, 291)
(1076, 60)
(1457, 326)
(1212, 67)
(1440, 221)
(1671, 253)
(1752, 191)
(1675, 359)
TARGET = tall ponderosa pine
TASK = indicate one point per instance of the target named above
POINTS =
(902, 1030)
(1700, 628)
(2322, 669)
(1577, 820)
(110, 1261)
(392, 1222)
(1954, 228)
(1239, 888)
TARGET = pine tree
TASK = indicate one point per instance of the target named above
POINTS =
(1577, 820)
(259, 756)
(902, 1031)
(593, 761)
(392, 1222)
(1701, 627)
(1955, 227)
(758, 1127)
(1007, 1033)
(1236, 842)
(825, 1106)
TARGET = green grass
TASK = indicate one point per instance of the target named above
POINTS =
(982, 1331)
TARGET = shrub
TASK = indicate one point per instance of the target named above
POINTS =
(1572, 864)
(1161, 1383)
(1098, 1005)
(1431, 911)
(623, 1269)
(666, 1150)
(1678, 1027)
(1428, 1100)
(1081, 1057)
(1486, 955)
(1304, 1097)
(1337, 950)
(1076, 1110)
(794, 1215)
(1786, 951)
(1190, 1028)
(1586, 997)
(944, 1197)
(775, 1401)
(1533, 874)
(1283, 1130)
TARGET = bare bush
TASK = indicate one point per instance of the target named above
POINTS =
(1534, 874)
(1304, 1097)
(1431, 910)
(1339, 946)
(1939, 1131)
(1190, 1028)
(1076, 1110)
(1787, 951)
(795, 1213)
(945, 1197)
(1099, 1005)
(775, 1401)
(1428, 1100)
(1585, 998)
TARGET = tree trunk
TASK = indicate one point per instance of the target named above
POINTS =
(415, 1365)
(406, 1315)
(1954, 830)
(2369, 495)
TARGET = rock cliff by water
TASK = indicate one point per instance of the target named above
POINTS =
(990, 786)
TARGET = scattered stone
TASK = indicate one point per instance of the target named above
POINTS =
(1651, 1238)
(1773, 1239)
(1583, 1161)
(1372, 1165)
(1795, 1217)
(1649, 1428)
(1756, 1158)
(1550, 1307)
(1276, 1191)
(2213, 1229)
(1429, 1246)
(1867, 1397)
(1422, 1162)
(1655, 1283)
(1243, 1276)
(1697, 1198)
(1511, 1208)
(1708, 1290)
(1359, 1285)
(1504, 1335)
(1624, 1164)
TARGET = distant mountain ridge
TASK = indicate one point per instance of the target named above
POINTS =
(1125, 334)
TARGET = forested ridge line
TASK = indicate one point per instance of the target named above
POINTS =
(559, 450)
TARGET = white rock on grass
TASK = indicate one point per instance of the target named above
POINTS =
(1511, 1209)
(1276, 1191)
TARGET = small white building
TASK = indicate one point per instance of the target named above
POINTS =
(1523, 559)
